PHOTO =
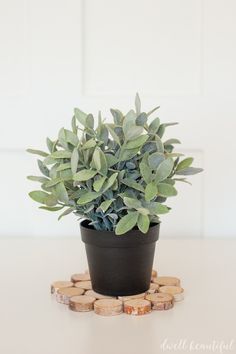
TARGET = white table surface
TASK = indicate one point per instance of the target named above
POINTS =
(31, 322)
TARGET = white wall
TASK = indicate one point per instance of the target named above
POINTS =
(181, 54)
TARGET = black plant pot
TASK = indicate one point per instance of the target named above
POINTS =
(119, 265)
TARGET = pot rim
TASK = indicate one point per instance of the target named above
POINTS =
(103, 238)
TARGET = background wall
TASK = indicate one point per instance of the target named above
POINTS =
(181, 54)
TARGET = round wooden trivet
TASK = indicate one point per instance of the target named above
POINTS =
(154, 273)
(108, 307)
(153, 288)
(63, 295)
(161, 301)
(166, 281)
(81, 303)
(87, 285)
(176, 291)
(80, 277)
(56, 285)
(97, 295)
(131, 297)
(137, 307)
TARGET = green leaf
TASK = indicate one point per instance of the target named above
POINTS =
(126, 155)
(73, 125)
(39, 196)
(126, 223)
(136, 143)
(43, 168)
(150, 191)
(189, 171)
(166, 190)
(99, 161)
(62, 154)
(146, 172)
(52, 182)
(154, 126)
(109, 183)
(88, 197)
(66, 212)
(51, 200)
(172, 141)
(105, 205)
(38, 179)
(74, 160)
(117, 115)
(155, 159)
(71, 137)
(49, 160)
(152, 111)
(182, 180)
(84, 175)
(132, 131)
(164, 170)
(156, 208)
(89, 144)
(51, 208)
(184, 164)
(37, 152)
(80, 116)
(61, 193)
(131, 183)
(143, 211)
(159, 144)
(143, 223)
(110, 128)
(63, 166)
(141, 120)
(111, 160)
(137, 103)
(132, 203)
(97, 184)
(50, 144)
(90, 121)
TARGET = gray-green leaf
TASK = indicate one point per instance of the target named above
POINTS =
(126, 223)
(166, 190)
(84, 175)
(143, 223)
(164, 170)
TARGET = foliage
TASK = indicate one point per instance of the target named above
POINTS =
(118, 175)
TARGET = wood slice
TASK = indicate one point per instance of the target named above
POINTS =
(153, 288)
(97, 295)
(108, 307)
(166, 281)
(86, 285)
(154, 273)
(131, 297)
(161, 301)
(176, 291)
(63, 295)
(80, 277)
(56, 285)
(137, 307)
(81, 303)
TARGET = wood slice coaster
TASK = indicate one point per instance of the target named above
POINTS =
(108, 307)
(137, 307)
(161, 301)
(154, 273)
(166, 281)
(81, 303)
(153, 288)
(80, 277)
(63, 295)
(56, 285)
(176, 291)
(97, 295)
(131, 297)
(86, 285)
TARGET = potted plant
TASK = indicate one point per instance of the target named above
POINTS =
(116, 177)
